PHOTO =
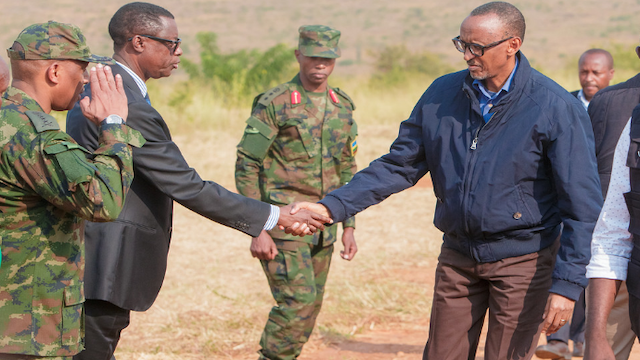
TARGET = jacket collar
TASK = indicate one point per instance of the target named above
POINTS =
(522, 75)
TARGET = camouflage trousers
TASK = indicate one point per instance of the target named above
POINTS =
(297, 277)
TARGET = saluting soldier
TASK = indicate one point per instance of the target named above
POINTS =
(48, 184)
(299, 144)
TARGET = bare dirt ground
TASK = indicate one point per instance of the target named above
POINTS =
(215, 299)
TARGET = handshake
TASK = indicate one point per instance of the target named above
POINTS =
(303, 218)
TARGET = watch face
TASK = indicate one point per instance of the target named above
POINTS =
(113, 119)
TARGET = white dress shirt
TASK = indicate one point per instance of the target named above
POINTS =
(583, 99)
(612, 242)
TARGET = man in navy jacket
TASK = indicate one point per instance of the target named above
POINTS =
(511, 158)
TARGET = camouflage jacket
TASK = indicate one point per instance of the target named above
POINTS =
(47, 186)
(290, 151)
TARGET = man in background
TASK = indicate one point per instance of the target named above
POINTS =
(299, 144)
(127, 259)
(595, 71)
(48, 187)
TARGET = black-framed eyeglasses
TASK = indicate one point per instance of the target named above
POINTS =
(175, 43)
(475, 49)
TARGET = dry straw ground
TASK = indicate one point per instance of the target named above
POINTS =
(215, 299)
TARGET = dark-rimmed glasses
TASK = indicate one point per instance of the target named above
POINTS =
(475, 49)
(175, 43)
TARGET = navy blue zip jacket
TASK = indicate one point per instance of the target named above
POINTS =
(503, 189)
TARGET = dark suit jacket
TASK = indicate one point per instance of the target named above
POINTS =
(575, 93)
(610, 109)
(126, 259)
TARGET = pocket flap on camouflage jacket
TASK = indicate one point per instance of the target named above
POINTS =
(63, 146)
(73, 295)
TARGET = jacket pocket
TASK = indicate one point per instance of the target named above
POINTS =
(521, 212)
(295, 140)
(257, 138)
(73, 315)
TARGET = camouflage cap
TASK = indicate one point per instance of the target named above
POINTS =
(319, 41)
(54, 40)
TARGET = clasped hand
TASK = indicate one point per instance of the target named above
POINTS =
(303, 218)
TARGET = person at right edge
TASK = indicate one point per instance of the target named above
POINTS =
(512, 162)
(127, 258)
(299, 144)
(609, 329)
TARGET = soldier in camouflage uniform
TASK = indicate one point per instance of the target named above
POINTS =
(299, 144)
(47, 186)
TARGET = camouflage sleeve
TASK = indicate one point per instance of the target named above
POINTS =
(348, 167)
(258, 136)
(92, 188)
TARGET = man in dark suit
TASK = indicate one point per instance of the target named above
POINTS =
(595, 71)
(126, 259)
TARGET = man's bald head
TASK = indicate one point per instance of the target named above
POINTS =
(509, 15)
(4, 75)
(591, 53)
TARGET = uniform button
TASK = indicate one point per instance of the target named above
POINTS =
(517, 216)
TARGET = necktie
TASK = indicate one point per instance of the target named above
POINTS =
(146, 97)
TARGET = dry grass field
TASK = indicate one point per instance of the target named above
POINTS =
(215, 299)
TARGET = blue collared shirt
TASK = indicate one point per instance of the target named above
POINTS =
(487, 98)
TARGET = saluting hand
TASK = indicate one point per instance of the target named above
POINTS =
(107, 95)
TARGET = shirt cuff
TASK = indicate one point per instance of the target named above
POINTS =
(607, 267)
(272, 221)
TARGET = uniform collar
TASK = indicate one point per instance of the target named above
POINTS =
(18, 96)
(304, 98)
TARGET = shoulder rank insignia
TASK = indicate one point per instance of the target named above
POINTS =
(295, 97)
(344, 95)
(268, 97)
(41, 121)
(334, 97)
(354, 147)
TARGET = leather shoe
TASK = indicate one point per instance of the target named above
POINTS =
(578, 349)
(554, 349)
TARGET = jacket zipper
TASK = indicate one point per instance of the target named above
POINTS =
(469, 177)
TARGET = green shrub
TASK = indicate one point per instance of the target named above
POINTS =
(395, 64)
(245, 73)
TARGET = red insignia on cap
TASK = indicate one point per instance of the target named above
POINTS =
(334, 97)
(295, 97)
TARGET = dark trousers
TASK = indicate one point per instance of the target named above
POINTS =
(31, 357)
(103, 324)
(514, 290)
(634, 313)
(575, 330)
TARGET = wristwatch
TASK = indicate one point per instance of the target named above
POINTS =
(113, 119)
